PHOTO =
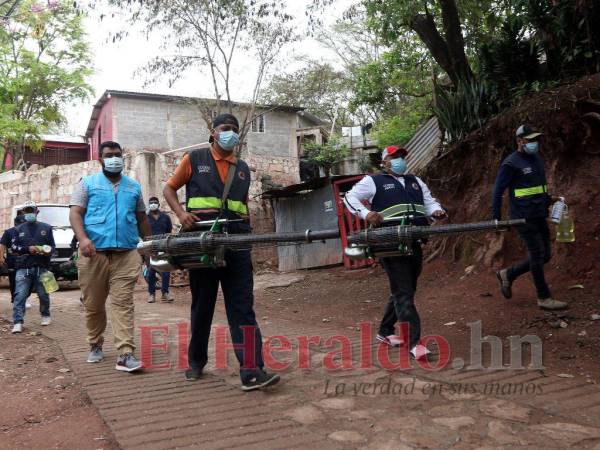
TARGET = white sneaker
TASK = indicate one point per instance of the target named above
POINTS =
(420, 351)
(46, 320)
(27, 305)
(392, 340)
(17, 328)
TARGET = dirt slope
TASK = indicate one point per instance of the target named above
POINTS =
(463, 178)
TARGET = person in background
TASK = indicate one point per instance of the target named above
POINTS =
(32, 247)
(160, 223)
(395, 198)
(523, 174)
(108, 216)
(6, 254)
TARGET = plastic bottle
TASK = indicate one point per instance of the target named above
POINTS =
(49, 282)
(557, 210)
(565, 230)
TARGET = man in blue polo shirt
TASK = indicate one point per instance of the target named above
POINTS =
(523, 174)
(108, 217)
(160, 223)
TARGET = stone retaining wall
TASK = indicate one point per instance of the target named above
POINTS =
(55, 184)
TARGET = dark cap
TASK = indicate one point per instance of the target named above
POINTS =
(224, 119)
(527, 132)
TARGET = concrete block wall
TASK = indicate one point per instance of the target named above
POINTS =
(147, 124)
(52, 184)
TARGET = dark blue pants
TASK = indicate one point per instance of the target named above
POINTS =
(165, 279)
(12, 283)
(536, 236)
(403, 273)
(237, 284)
(25, 279)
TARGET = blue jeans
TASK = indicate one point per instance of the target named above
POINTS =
(27, 280)
(165, 278)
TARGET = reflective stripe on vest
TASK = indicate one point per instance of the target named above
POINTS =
(215, 203)
(403, 209)
(525, 192)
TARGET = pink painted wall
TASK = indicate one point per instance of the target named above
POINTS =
(104, 126)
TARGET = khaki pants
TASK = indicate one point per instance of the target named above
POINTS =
(114, 274)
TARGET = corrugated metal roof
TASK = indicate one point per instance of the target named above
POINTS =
(295, 189)
(424, 145)
(64, 138)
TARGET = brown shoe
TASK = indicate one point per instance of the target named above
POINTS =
(551, 304)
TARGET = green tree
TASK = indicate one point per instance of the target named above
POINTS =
(399, 129)
(326, 155)
(317, 86)
(44, 64)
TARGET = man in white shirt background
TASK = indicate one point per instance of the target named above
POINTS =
(397, 198)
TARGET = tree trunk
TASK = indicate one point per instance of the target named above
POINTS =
(454, 40)
(424, 26)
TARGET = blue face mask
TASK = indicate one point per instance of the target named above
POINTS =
(30, 217)
(398, 166)
(228, 140)
(114, 164)
(532, 148)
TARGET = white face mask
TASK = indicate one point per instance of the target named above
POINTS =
(153, 206)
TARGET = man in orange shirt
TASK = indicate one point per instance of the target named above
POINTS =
(205, 173)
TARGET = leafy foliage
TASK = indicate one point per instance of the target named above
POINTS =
(511, 46)
(462, 110)
(44, 63)
(399, 129)
(317, 87)
(327, 154)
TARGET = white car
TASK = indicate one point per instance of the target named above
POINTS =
(57, 216)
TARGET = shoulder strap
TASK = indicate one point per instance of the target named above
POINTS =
(228, 183)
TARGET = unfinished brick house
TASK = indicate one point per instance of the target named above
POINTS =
(156, 125)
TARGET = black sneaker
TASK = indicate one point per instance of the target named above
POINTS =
(260, 380)
(193, 374)
(505, 284)
(128, 363)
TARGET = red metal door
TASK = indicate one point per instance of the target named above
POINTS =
(348, 222)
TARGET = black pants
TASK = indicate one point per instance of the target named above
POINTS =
(536, 236)
(403, 273)
(237, 283)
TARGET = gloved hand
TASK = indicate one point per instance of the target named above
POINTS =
(374, 218)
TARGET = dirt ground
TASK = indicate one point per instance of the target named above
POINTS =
(43, 405)
(46, 400)
(446, 295)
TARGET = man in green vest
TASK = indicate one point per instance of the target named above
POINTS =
(209, 176)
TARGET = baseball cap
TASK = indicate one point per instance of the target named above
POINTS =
(394, 150)
(29, 205)
(224, 119)
(527, 132)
